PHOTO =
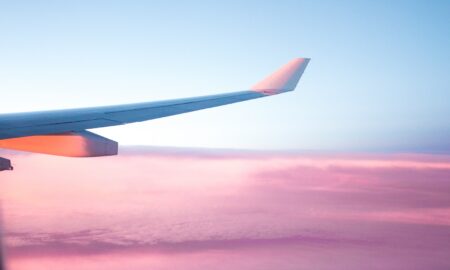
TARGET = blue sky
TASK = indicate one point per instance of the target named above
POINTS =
(378, 79)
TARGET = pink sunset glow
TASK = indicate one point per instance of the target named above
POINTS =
(194, 209)
(284, 79)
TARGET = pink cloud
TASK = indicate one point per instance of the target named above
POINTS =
(168, 208)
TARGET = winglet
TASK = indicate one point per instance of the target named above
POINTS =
(284, 79)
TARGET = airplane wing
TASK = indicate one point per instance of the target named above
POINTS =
(48, 131)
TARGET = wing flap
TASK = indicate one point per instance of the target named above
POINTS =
(70, 144)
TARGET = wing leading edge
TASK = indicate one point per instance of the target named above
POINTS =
(19, 125)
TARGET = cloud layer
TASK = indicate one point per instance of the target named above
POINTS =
(192, 209)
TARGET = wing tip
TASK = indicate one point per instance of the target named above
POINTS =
(284, 79)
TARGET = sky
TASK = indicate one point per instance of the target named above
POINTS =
(228, 210)
(350, 171)
(378, 79)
